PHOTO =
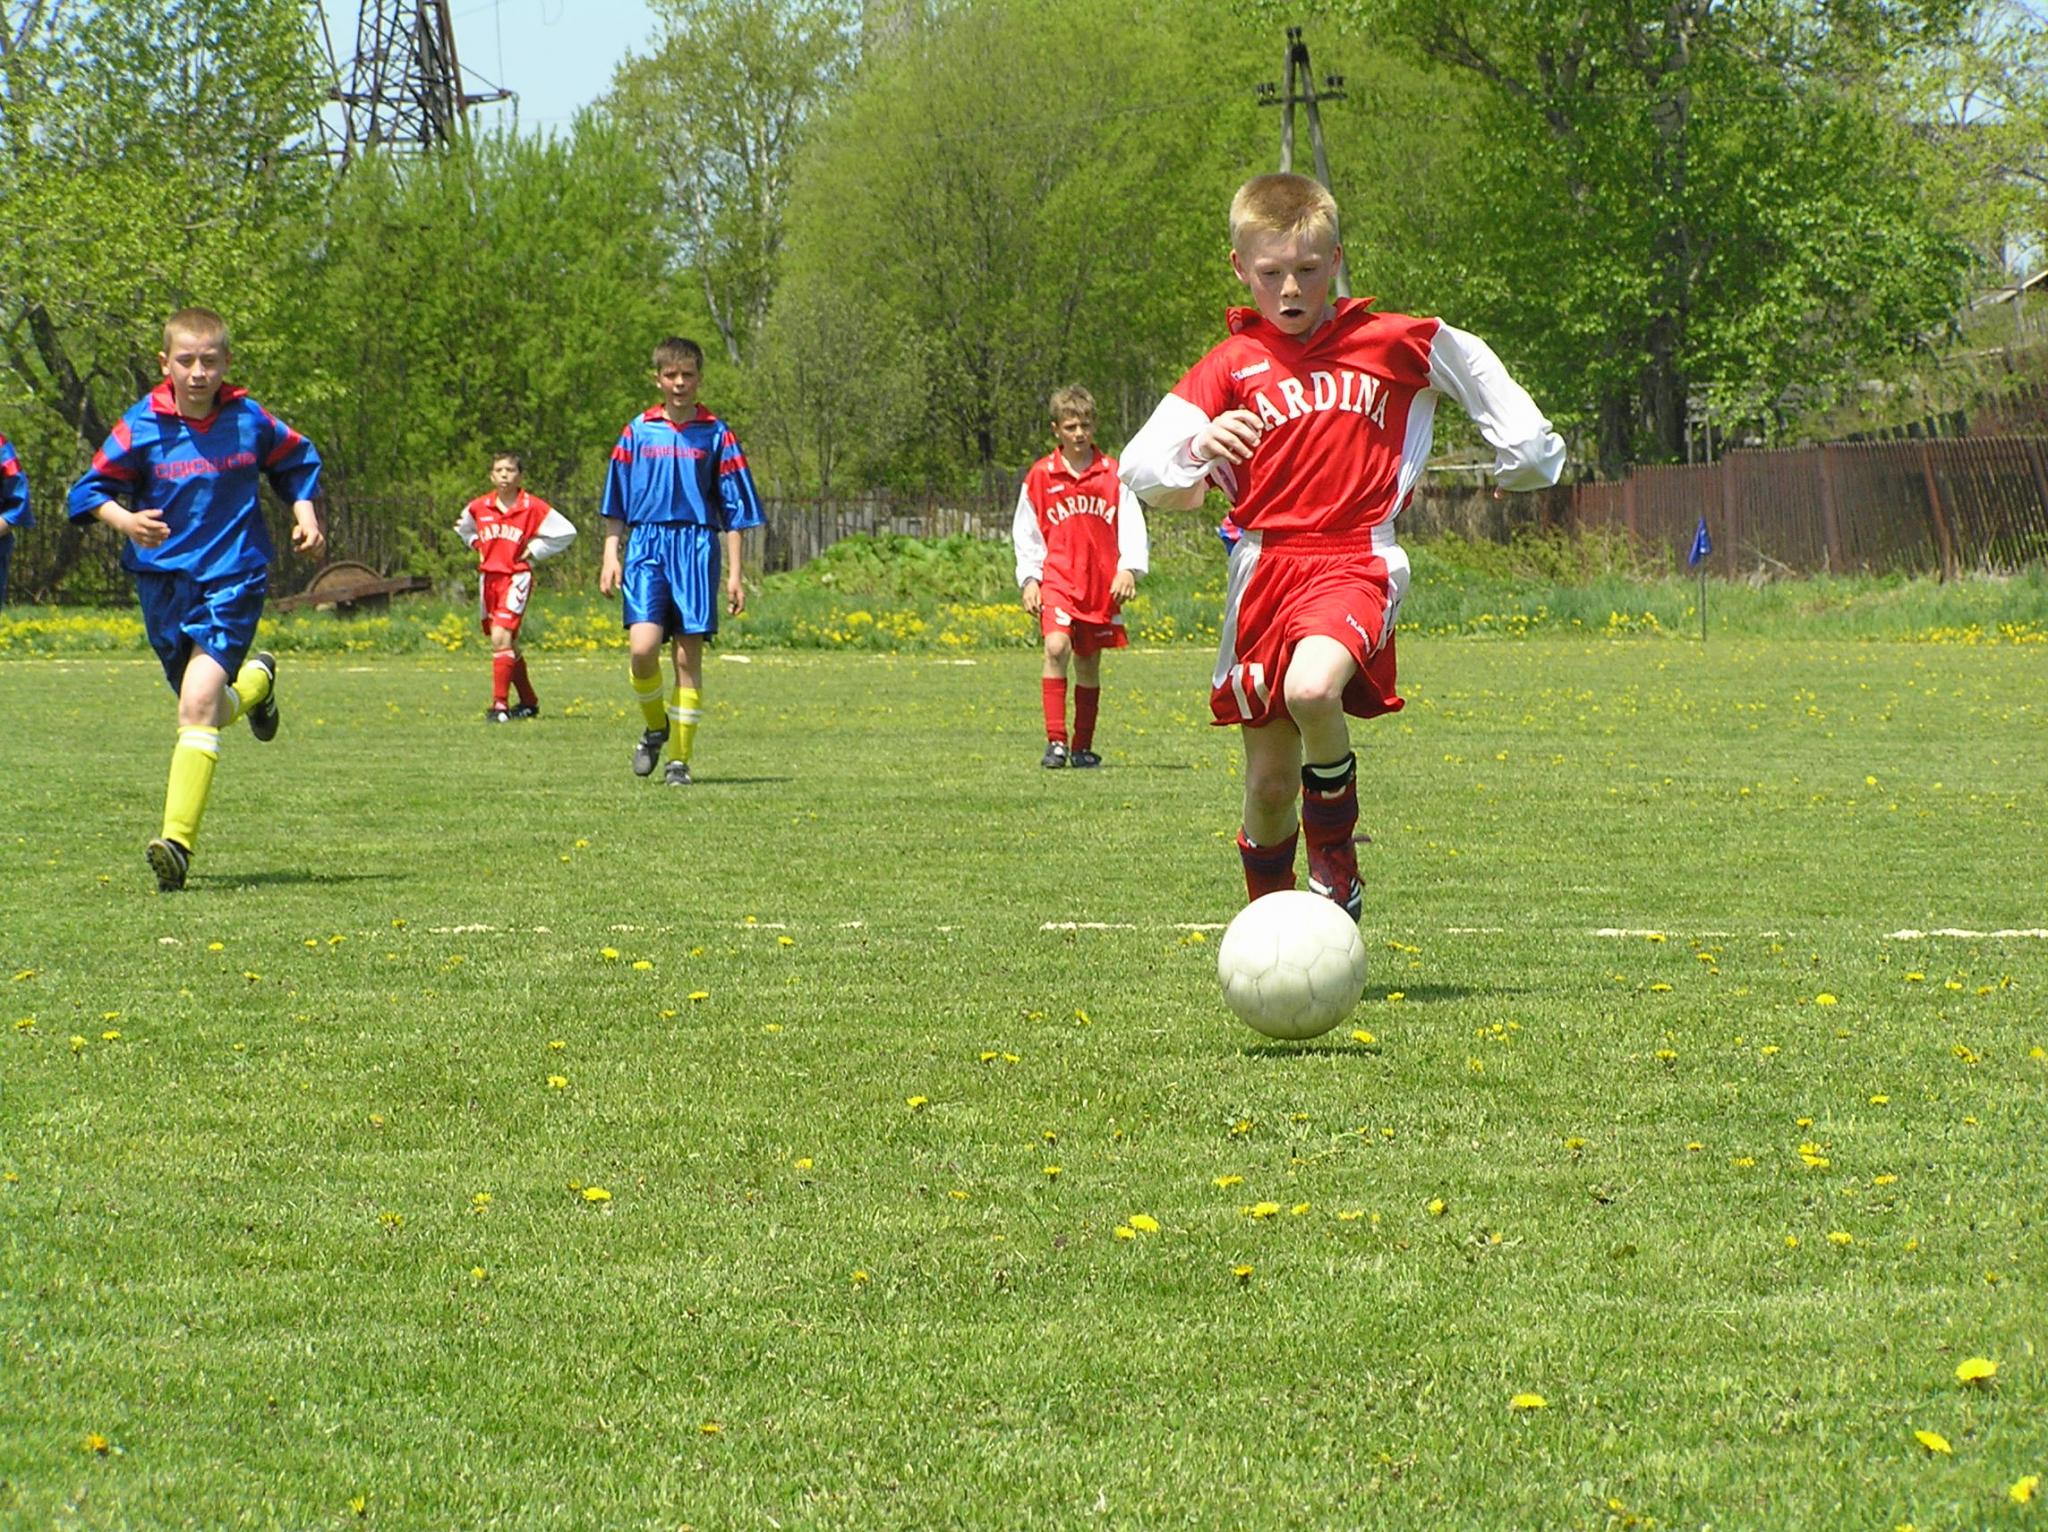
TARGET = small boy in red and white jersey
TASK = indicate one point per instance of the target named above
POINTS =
(1081, 545)
(1315, 418)
(511, 531)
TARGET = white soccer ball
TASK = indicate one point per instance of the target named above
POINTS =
(1292, 964)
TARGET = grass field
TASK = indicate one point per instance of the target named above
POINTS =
(490, 1139)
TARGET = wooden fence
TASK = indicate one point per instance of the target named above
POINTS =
(1941, 506)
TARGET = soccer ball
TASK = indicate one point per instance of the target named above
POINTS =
(1292, 965)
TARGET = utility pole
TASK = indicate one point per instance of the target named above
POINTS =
(1301, 84)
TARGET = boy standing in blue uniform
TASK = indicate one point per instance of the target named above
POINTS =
(14, 511)
(187, 459)
(678, 486)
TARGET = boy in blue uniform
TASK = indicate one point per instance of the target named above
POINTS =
(678, 486)
(187, 459)
(14, 511)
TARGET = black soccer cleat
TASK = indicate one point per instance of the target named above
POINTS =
(1082, 759)
(678, 775)
(169, 861)
(263, 716)
(495, 714)
(647, 754)
(524, 710)
(1055, 756)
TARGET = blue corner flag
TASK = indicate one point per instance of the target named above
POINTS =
(1702, 545)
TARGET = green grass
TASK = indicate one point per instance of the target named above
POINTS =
(240, 1241)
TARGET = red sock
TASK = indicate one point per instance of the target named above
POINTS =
(527, 696)
(1267, 869)
(1054, 695)
(502, 661)
(1086, 700)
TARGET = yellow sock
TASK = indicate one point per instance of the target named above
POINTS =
(192, 766)
(685, 712)
(251, 689)
(648, 694)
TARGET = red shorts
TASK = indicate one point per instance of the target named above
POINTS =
(504, 599)
(1287, 586)
(1088, 637)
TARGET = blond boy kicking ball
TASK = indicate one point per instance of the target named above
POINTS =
(1081, 545)
(187, 460)
(1314, 417)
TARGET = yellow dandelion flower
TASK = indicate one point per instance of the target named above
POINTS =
(1770, 1050)
(210, 947)
(1884, 1180)
(609, 954)
(1666, 1055)
(98, 1443)
(1437, 1207)
(785, 941)
(1574, 1145)
(557, 1045)
(1298, 1209)
(1396, 995)
(1933, 1441)
(1977, 1369)
(110, 1036)
(1824, 998)
(1144, 1223)
(1125, 1231)
(1745, 1162)
(78, 1044)
(710, 1428)
(988, 1055)
(917, 1103)
(1660, 988)
(1262, 1210)
(642, 965)
(480, 1201)
(700, 994)
(1694, 1147)
(476, 1273)
(1363, 1036)
(2023, 1489)
(1916, 977)
(1226, 1182)
(957, 1195)
(1791, 1242)
(803, 1164)
(596, 1194)
(558, 1082)
(1052, 1172)
(1841, 1237)
(1528, 1402)
(858, 1277)
(1242, 1273)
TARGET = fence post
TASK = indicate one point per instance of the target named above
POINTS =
(1731, 511)
(1942, 539)
(1830, 522)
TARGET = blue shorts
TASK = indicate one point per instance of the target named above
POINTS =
(671, 577)
(218, 617)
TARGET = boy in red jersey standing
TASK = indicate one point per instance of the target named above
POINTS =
(1080, 539)
(1315, 418)
(511, 531)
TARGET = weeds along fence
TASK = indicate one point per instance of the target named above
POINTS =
(1948, 507)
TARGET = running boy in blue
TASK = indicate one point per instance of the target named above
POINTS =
(14, 511)
(678, 486)
(187, 459)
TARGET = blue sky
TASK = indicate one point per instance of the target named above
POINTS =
(557, 54)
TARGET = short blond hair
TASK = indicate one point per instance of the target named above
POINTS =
(1283, 203)
(1072, 400)
(196, 324)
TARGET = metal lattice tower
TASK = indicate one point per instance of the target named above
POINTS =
(402, 90)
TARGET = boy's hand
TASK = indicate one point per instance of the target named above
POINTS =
(1231, 436)
(308, 536)
(1123, 587)
(1034, 602)
(735, 594)
(145, 528)
(609, 574)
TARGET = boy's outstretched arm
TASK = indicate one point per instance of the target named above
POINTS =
(556, 532)
(465, 528)
(1527, 454)
(1171, 462)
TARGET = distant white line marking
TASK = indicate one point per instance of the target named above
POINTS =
(1083, 925)
(1914, 936)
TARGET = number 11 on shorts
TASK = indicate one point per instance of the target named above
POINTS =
(1255, 674)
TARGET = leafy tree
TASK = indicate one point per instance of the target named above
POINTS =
(153, 154)
(722, 106)
(1681, 199)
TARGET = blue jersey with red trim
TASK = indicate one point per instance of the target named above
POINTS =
(13, 488)
(202, 475)
(693, 473)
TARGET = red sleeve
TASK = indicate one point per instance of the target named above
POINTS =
(1208, 385)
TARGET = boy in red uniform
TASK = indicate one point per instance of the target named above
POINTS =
(1080, 538)
(511, 532)
(1315, 419)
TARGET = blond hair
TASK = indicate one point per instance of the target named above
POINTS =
(196, 324)
(1283, 203)
(1072, 400)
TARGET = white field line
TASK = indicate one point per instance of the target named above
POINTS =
(1913, 936)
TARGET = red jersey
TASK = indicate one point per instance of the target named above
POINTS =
(1073, 532)
(1348, 412)
(513, 541)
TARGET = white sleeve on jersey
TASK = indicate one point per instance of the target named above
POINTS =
(1527, 454)
(1133, 545)
(1157, 463)
(465, 527)
(1029, 541)
(554, 534)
